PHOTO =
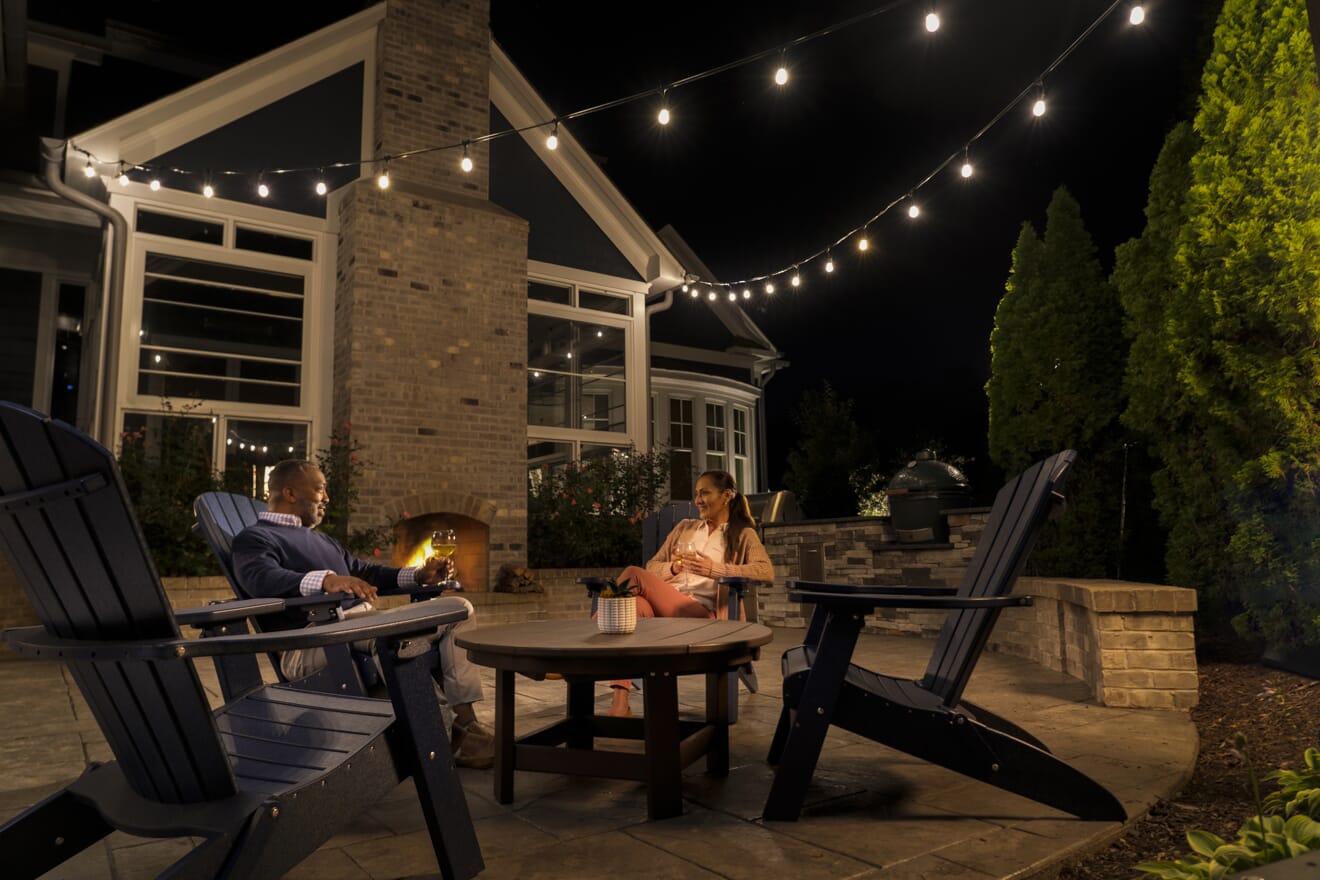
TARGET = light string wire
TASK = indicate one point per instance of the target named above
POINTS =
(1035, 85)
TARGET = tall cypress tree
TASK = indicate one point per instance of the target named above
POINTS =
(1055, 382)
(1244, 324)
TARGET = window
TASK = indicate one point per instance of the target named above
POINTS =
(680, 448)
(272, 243)
(220, 332)
(252, 448)
(741, 456)
(576, 375)
(186, 228)
(715, 435)
(68, 352)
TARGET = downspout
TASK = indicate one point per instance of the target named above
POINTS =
(762, 454)
(100, 337)
(653, 309)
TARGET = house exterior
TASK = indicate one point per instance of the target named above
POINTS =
(470, 326)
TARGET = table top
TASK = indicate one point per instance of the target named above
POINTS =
(578, 646)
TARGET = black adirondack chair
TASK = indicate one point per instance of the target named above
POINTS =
(742, 591)
(220, 517)
(929, 718)
(265, 779)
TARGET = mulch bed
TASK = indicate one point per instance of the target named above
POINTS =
(1279, 712)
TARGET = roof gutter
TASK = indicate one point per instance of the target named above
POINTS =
(96, 411)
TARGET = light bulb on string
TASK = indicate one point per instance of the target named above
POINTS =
(694, 293)
(747, 294)
(123, 175)
(1038, 108)
(781, 72)
(466, 162)
(711, 296)
(207, 190)
(321, 188)
(932, 21)
(769, 287)
(914, 210)
(552, 142)
(383, 180)
(966, 169)
(155, 184)
(663, 116)
(733, 296)
(796, 280)
(863, 243)
(1137, 14)
(829, 263)
(88, 170)
(262, 190)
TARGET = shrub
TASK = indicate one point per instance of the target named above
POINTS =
(589, 513)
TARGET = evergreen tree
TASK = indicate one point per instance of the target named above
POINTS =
(831, 448)
(1056, 382)
(1146, 277)
(1244, 328)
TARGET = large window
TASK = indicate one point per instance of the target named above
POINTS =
(219, 332)
(680, 448)
(716, 459)
(577, 374)
(742, 471)
(707, 426)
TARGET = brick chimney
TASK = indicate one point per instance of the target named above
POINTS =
(430, 323)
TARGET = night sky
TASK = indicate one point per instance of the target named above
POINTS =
(757, 177)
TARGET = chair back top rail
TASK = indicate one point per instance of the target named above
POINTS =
(1020, 511)
(220, 517)
(83, 564)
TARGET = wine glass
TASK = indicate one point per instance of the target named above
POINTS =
(444, 543)
(686, 550)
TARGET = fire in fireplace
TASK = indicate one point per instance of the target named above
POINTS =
(412, 545)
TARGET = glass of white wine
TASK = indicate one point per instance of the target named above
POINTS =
(444, 543)
(686, 550)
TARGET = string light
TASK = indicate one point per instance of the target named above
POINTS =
(863, 243)
(711, 296)
(207, 190)
(262, 190)
(123, 175)
(466, 162)
(552, 142)
(88, 170)
(769, 287)
(1136, 15)
(781, 73)
(796, 280)
(914, 210)
(695, 293)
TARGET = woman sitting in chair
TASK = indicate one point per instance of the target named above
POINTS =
(679, 581)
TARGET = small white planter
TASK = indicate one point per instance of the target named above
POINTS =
(616, 615)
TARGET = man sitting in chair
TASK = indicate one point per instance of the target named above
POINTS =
(282, 555)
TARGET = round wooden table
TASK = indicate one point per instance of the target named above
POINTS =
(658, 652)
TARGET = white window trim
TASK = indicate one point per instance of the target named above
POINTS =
(730, 394)
(634, 341)
(316, 399)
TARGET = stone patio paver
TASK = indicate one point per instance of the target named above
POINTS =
(870, 811)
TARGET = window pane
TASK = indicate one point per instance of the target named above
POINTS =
(740, 432)
(576, 375)
(252, 448)
(21, 294)
(550, 292)
(175, 443)
(186, 228)
(714, 427)
(740, 474)
(272, 243)
(680, 475)
(220, 332)
(545, 457)
(68, 353)
(680, 423)
(604, 302)
(715, 462)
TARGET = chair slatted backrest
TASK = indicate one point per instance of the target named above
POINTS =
(220, 517)
(1020, 511)
(72, 539)
(657, 526)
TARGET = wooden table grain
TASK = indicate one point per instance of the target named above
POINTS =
(660, 650)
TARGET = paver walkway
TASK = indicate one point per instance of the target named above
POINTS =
(871, 812)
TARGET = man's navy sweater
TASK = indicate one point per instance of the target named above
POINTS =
(270, 560)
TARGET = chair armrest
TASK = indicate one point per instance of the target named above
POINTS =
(223, 612)
(417, 619)
(593, 584)
(868, 602)
(869, 589)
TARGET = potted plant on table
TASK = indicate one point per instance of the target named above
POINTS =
(616, 607)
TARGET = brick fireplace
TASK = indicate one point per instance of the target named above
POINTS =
(430, 323)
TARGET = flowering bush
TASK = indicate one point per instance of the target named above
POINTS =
(589, 513)
(343, 468)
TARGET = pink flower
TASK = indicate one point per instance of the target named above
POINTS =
(565, 494)
(376, 551)
(407, 515)
(334, 441)
(632, 520)
(348, 426)
(573, 502)
(588, 490)
(596, 505)
(352, 458)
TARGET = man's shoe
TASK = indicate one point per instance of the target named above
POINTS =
(474, 746)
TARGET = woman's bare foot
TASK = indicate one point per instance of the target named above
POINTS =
(619, 707)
